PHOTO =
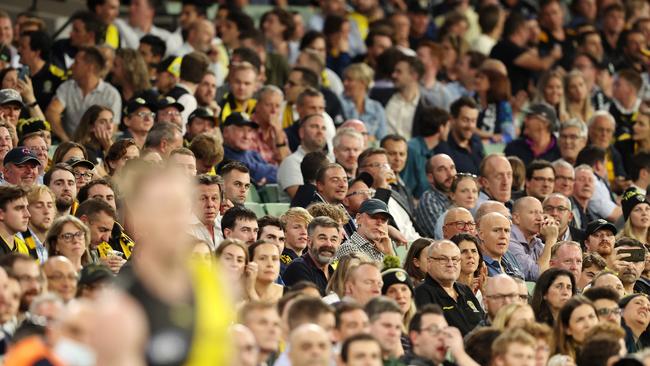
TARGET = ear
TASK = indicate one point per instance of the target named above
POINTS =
(515, 218)
(83, 219)
(2, 214)
(226, 233)
(482, 181)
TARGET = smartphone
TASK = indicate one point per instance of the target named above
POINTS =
(23, 73)
(635, 254)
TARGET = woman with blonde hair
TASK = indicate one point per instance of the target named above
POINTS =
(550, 90)
(69, 237)
(636, 213)
(576, 96)
(357, 80)
(130, 73)
(513, 315)
(336, 284)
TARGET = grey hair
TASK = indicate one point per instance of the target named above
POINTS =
(48, 297)
(577, 123)
(269, 89)
(584, 167)
(161, 131)
(558, 195)
(347, 131)
(436, 244)
(562, 163)
(599, 114)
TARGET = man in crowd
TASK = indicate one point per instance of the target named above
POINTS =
(60, 179)
(583, 190)
(363, 282)
(270, 230)
(169, 110)
(41, 210)
(361, 349)
(567, 255)
(34, 48)
(456, 220)
(164, 138)
(242, 80)
(573, 138)
(465, 146)
(559, 207)
(331, 184)
(202, 120)
(28, 273)
(240, 223)
(61, 277)
(441, 172)
(270, 140)
(386, 326)
(565, 177)
(309, 345)
(14, 217)
(496, 180)
(236, 182)
(263, 320)
(100, 218)
(207, 211)
(600, 237)
(295, 223)
(494, 231)
(538, 141)
(371, 237)
(348, 145)
(21, 167)
(540, 179)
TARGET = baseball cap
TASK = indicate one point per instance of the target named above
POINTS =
(205, 113)
(8, 96)
(542, 110)
(395, 276)
(374, 206)
(631, 198)
(165, 102)
(418, 6)
(135, 103)
(20, 155)
(238, 119)
(93, 273)
(171, 64)
(599, 224)
(75, 161)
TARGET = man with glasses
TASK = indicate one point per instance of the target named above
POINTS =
(540, 179)
(461, 308)
(499, 291)
(458, 220)
(559, 207)
(606, 302)
(530, 225)
(61, 277)
(169, 110)
(441, 172)
(567, 255)
(138, 119)
(573, 138)
(28, 274)
(565, 177)
(35, 142)
(83, 171)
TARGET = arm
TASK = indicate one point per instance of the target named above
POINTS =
(550, 232)
(27, 92)
(532, 61)
(291, 191)
(454, 343)
(524, 261)
(53, 115)
(295, 273)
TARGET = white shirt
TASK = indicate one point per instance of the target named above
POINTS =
(402, 220)
(400, 113)
(483, 44)
(289, 172)
(131, 35)
(199, 231)
(601, 203)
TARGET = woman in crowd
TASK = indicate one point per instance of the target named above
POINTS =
(554, 288)
(278, 26)
(577, 98)
(518, 173)
(416, 260)
(68, 150)
(513, 315)
(574, 320)
(636, 213)
(9, 78)
(336, 285)
(118, 154)
(472, 270)
(130, 73)
(356, 103)
(95, 132)
(262, 271)
(636, 318)
(399, 287)
(463, 193)
(640, 141)
(70, 238)
(495, 121)
(550, 90)
(233, 258)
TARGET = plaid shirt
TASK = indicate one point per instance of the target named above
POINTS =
(432, 204)
(358, 244)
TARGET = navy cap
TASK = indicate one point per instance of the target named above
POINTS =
(135, 103)
(75, 161)
(542, 110)
(239, 119)
(165, 102)
(204, 113)
(20, 155)
(374, 206)
(599, 224)
(8, 96)
(418, 6)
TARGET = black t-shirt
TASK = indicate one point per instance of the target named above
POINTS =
(507, 52)
(45, 83)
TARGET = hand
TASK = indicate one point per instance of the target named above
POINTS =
(385, 245)
(113, 262)
(214, 106)
(397, 236)
(104, 136)
(556, 53)
(226, 205)
(453, 341)
(550, 229)
(213, 52)
(26, 90)
(497, 137)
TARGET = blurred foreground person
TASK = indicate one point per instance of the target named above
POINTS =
(165, 283)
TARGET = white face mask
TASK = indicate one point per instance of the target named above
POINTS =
(73, 353)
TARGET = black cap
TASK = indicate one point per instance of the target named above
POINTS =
(20, 155)
(204, 113)
(542, 110)
(239, 119)
(26, 126)
(374, 206)
(631, 198)
(418, 6)
(135, 103)
(599, 224)
(75, 161)
(164, 102)
(171, 64)
(364, 177)
(93, 273)
(394, 276)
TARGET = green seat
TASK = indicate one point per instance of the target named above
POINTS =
(256, 207)
(253, 195)
(276, 209)
(531, 287)
(270, 193)
(493, 148)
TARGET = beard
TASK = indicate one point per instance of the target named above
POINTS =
(63, 204)
(320, 257)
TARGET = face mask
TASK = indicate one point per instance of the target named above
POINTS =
(73, 353)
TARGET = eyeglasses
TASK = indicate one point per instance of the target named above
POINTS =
(86, 175)
(560, 209)
(462, 225)
(70, 236)
(143, 115)
(432, 330)
(58, 277)
(365, 192)
(607, 311)
(445, 260)
(172, 112)
(502, 297)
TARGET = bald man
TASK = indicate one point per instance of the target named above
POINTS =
(61, 277)
(495, 179)
(360, 127)
(492, 206)
(309, 345)
(532, 237)
(457, 220)
(494, 233)
(498, 292)
(441, 171)
(246, 349)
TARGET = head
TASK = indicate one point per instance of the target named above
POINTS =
(312, 132)
(601, 129)
(553, 289)
(263, 320)
(14, 215)
(608, 279)
(558, 206)
(372, 220)
(240, 223)
(21, 167)
(464, 190)
(592, 265)
(444, 262)
(574, 321)
(528, 215)
(540, 179)
(309, 345)
(396, 150)
(464, 113)
(407, 72)
(332, 183)
(208, 203)
(324, 239)
(364, 282)
(600, 238)
(499, 291)
(605, 302)
(385, 323)
(348, 145)
(233, 256)
(269, 104)
(458, 220)
(494, 232)
(201, 121)
(236, 182)
(295, 223)
(119, 153)
(565, 177)
(513, 347)
(361, 349)
(496, 177)
(567, 255)
(164, 137)
(61, 277)
(100, 217)
(69, 237)
(40, 200)
(61, 180)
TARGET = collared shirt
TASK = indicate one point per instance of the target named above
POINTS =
(467, 160)
(19, 246)
(507, 265)
(402, 219)
(305, 269)
(526, 253)
(131, 35)
(75, 103)
(264, 142)
(373, 115)
(521, 148)
(463, 313)
(414, 173)
(36, 248)
(199, 231)
(432, 204)
(601, 202)
(400, 113)
(358, 244)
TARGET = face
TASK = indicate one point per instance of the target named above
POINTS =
(10, 80)
(268, 107)
(6, 143)
(209, 202)
(372, 227)
(357, 193)
(267, 257)
(273, 234)
(375, 165)
(553, 92)
(100, 228)
(242, 84)
(637, 312)
(522, 316)
(458, 221)
(402, 294)
(103, 192)
(207, 89)
(347, 152)
(334, 186)
(294, 86)
(499, 293)
(397, 152)
(6, 31)
(559, 292)
(517, 354)
(246, 349)
(587, 68)
(74, 152)
(541, 183)
(497, 181)
(186, 163)
(236, 185)
(601, 132)
(429, 340)
(494, 231)
(238, 137)
(564, 180)
(15, 216)
(311, 350)
(365, 285)
(352, 323)
(582, 319)
(611, 281)
(443, 172)
(608, 311)
(529, 218)
(364, 353)
(466, 193)
(42, 212)
(464, 126)
(265, 325)
(71, 243)
(296, 234)
(536, 128)
(587, 275)
(387, 329)
(577, 89)
(233, 259)
(64, 186)
(601, 242)
(640, 216)
(23, 175)
(569, 257)
(583, 187)
(29, 277)
(558, 208)
(61, 279)
(244, 230)
(201, 125)
(312, 133)
(444, 263)
(641, 129)
(481, 83)
(108, 11)
(403, 76)
(469, 257)
(140, 121)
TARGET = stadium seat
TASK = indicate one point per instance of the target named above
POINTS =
(276, 209)
(270, 193)
(253, 195)
(256, 207)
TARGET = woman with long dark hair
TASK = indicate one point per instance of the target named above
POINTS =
(554, 288)
(95, 132)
